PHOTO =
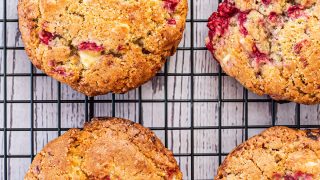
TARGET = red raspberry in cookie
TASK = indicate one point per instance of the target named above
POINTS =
(258, 55)
(51, 63)
(273, 17)
(295, 11)
(171, 4)
(242, 17)
(219, 21)
(297, 48)
(171, 21)
(300, 175)
(288, 177)
(304, 61)
(211, 34)
(46, 37)
(209, 44)
(276, 176)
(227, 9)
(217, 24)
(296, 176)
(120, 47)
(60, 70)
(90, 46)
(266, 2)
(210, 47)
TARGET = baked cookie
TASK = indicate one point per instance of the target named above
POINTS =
(107, 148)
(270, 46)
(101, 46)
(278, 153)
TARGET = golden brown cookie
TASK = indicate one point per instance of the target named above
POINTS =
(108, 149)
(270, 46)
(101, 46)
(278, 153)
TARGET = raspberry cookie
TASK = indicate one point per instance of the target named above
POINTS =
(270, 46)
(278, 153)
(101, 46)
(105, 149)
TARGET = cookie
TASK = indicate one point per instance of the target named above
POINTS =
(106, 148)
(271, 47)
(278, 153)
(101, 46)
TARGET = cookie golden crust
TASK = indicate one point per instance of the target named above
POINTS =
(278, 153)
(107, 148)
(270, 46)
(101, 46)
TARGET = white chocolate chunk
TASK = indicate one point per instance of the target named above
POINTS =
(242, 41)
(88, 58)
(226, 59)
(312, 164)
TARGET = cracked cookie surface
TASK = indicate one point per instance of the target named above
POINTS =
(270, 46)
(101, 46)
(107, 148)
(278, 153)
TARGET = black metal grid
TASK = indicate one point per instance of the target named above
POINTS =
(90, 102)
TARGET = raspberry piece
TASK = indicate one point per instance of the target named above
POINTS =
(304, 61)
(258, 55)
(295, 11)
(51, 63)
(211, 34)
(296, 176)
(46, 37)
(219, 21)
(210, 46)
(120, 47)
(242, 19)
(60, 70)
(38, 169)
(227, 9)
(171, 4)
(301, 175)
(297, 48)
(90, 46)
(266, 2)
(171, 21)
(218, 24)
(288, 177)
(170, 173)
(273, 17)
(276, 176)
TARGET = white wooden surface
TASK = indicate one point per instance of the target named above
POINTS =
(153, 114)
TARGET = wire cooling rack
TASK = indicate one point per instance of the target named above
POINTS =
(227, 119)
